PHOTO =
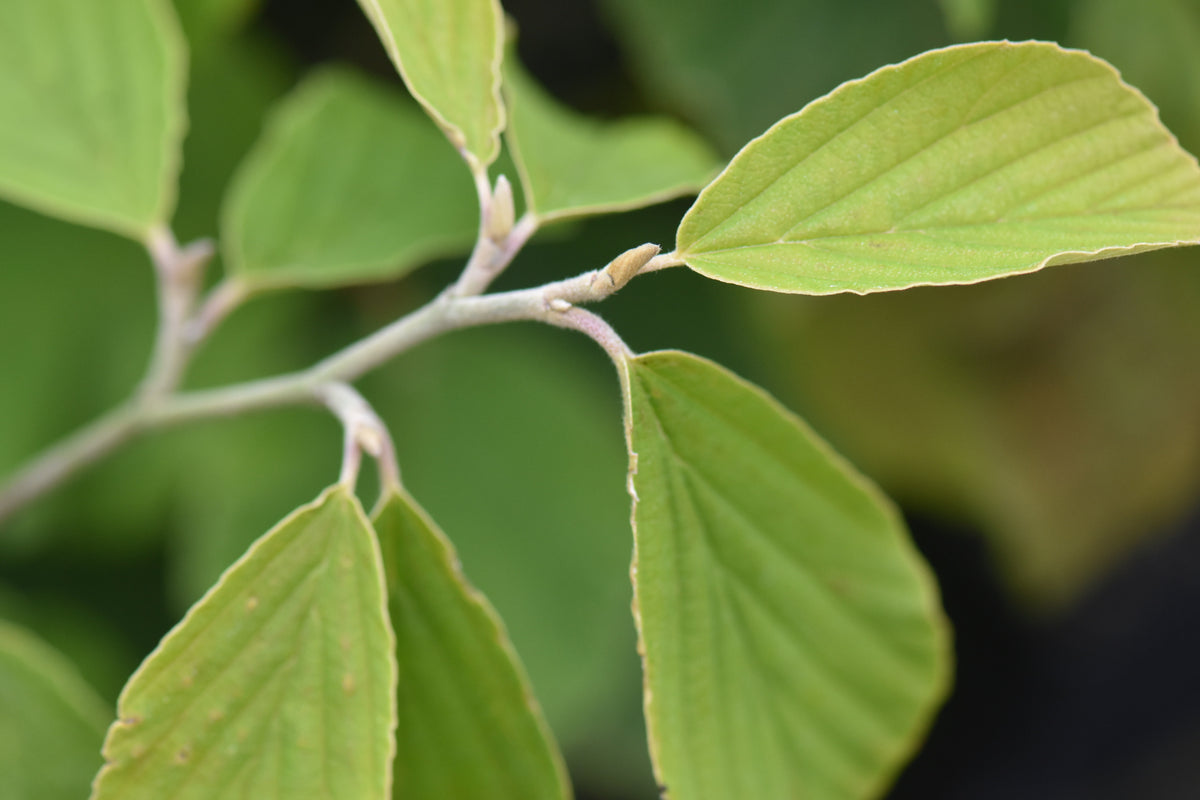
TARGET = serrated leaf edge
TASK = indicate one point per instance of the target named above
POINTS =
(943, 681)
(393, 668)
(1063, 257)
(455, 134)
(449, 556)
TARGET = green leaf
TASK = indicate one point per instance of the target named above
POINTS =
(959, 165)
(348, 184)
(449, 53)
(52, 722)
(792, 637)
(93, 99)
(571, 165)
(280, 682)
(468, 723)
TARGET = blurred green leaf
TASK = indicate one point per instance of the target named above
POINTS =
(957, 166)
(734, 68)
(792, 636)
(104, 286)
(57, 376)
(468, 723)
(969, 19)
(93, 98)
(207, 21)
(1156, 45)
(347, 185)
(1056, 413)
(449, 53)
(573, 166)
(51, 725)
(279, 682)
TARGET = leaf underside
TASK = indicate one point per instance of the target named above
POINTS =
(349, 184)
(959, 165)
(573, 166)
(793, 642)
(468, 724)
(449, 53)
(278, 683)
(93, 110)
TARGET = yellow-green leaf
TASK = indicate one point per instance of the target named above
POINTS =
(792, 637)
(959, 165)
(572, 166)
(280, 682)
(469, 726)
(93, 110)
(449, 54)
(349, 184)
(51, 722)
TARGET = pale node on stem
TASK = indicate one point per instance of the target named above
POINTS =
(178, 272)
(364, 433)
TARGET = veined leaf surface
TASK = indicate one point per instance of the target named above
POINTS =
(449, 54)
(93, 110)
(793, 642)
(956, 166)
(572, 166)
(280, 682)
(468, 724)
(51, 722)
(348, 184)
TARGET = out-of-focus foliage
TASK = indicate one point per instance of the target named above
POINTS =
(93, 137)
(571, 165)
(51, 722)
(734, 68)
(969, 19)
(325, 198)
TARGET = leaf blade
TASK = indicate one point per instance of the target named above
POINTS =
(771, 582)
(573, 166)
(47, 709)
(94, 111)
(468, 723)
(449, 53)
(347, 185)
(959, 165)
(281, 680)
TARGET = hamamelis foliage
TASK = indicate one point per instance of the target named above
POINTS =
(792, 638)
